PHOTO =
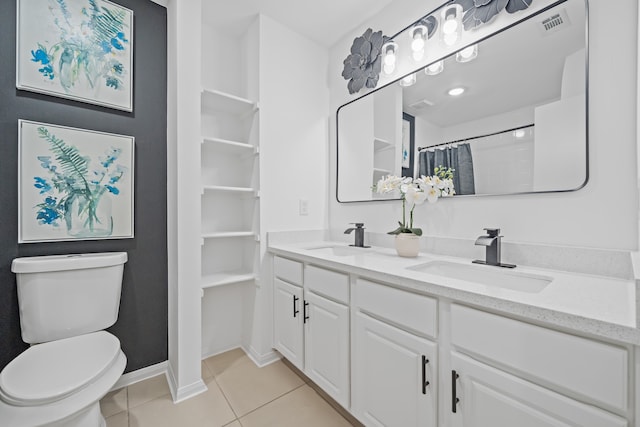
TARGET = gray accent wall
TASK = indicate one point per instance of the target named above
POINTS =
(142, 323)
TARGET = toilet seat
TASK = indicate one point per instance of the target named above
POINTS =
(51, 371)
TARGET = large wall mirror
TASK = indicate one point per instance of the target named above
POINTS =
(519, 125)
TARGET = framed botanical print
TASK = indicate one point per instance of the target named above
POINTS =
(73, 184)
(76, 49)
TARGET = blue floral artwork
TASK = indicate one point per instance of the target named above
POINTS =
(74, 184)
(78, 49)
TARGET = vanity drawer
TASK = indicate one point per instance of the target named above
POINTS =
(418, 313)
(327, 282)
(590, 368)
(288, 270)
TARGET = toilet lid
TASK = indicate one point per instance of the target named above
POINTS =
(51, 371)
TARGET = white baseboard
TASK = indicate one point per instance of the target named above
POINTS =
(262, 360)
(140, 375)
(178, 394)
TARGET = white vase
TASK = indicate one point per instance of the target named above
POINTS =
(407, 244)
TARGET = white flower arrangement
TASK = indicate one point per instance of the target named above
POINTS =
(415, 191)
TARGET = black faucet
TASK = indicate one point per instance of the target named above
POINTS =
(492, 248)
(359, 228)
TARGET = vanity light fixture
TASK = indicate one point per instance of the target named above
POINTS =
(418, 40)
(456, 91)
(467, 54)
(408, 80)
(451, 24)
(389, 50)
(435, 68)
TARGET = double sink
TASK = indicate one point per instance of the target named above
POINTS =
(490, 276)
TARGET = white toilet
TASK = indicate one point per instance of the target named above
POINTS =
(65, 303)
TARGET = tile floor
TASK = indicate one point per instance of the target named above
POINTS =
(240, 395)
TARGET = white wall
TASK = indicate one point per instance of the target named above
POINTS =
(604, 214)
(294, 102)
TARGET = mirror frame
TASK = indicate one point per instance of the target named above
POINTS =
(453, 53)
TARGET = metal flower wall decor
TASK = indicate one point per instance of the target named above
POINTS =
(479, 12)
(363, 65)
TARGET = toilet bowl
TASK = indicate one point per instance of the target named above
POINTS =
(60, 382)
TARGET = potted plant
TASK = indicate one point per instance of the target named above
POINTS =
(414, 191)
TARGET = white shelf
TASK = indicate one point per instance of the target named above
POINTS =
(227, 189)
(377, 171)
(226, 234)
(226, 278)
(217, 101)
(229, 146)
(381, 144)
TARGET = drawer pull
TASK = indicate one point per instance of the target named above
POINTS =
(295, 306)
(306, 316)
(425, 383)
(454, 398)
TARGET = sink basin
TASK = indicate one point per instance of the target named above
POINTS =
(339, 250)
(486, 275)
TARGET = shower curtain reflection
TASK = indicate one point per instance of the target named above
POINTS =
(455, 156)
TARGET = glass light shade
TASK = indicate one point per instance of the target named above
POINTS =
(408, 80)
(435, 68)
(519, 133)
(389, 59)
(451, 24)
(467, 54)
(418, 36)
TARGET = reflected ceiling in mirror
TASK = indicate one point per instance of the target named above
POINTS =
(530, 76)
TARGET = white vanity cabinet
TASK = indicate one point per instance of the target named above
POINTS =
(402, 358)
(311, 323)
(505, 372)
(394, 365)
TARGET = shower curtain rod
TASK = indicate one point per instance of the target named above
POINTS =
(475, 137)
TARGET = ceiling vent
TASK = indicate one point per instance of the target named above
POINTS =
(555, 22)
(422, 104)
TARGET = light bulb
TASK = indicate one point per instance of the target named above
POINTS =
(519, 133)
(435, 68)
(389, 60)
(450, 26)
(456, 91)
(467, 54)
(417, 44)
(408, 80)
(450, 39)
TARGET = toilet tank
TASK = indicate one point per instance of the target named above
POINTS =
(61, 296)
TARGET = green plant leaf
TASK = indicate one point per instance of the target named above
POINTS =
(416, 231)
(72, 163)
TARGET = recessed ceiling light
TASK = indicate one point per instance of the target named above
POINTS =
(456, 91)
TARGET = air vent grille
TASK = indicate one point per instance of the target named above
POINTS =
(552, 22)
(424, 103)
(555, 22)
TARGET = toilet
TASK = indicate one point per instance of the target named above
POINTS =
(65, 303)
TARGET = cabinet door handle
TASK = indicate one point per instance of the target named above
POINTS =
(454, 397)
(295, 306)
(425, 383)
(304, 308)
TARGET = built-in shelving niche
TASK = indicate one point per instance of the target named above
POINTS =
(229, 187)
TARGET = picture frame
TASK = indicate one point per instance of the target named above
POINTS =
(76, 49)
(74, 184)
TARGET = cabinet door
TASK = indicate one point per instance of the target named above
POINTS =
(394, 376)
(327, 346)
(485, 396)
(287, 323)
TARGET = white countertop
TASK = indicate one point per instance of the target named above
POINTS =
(601, 306)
